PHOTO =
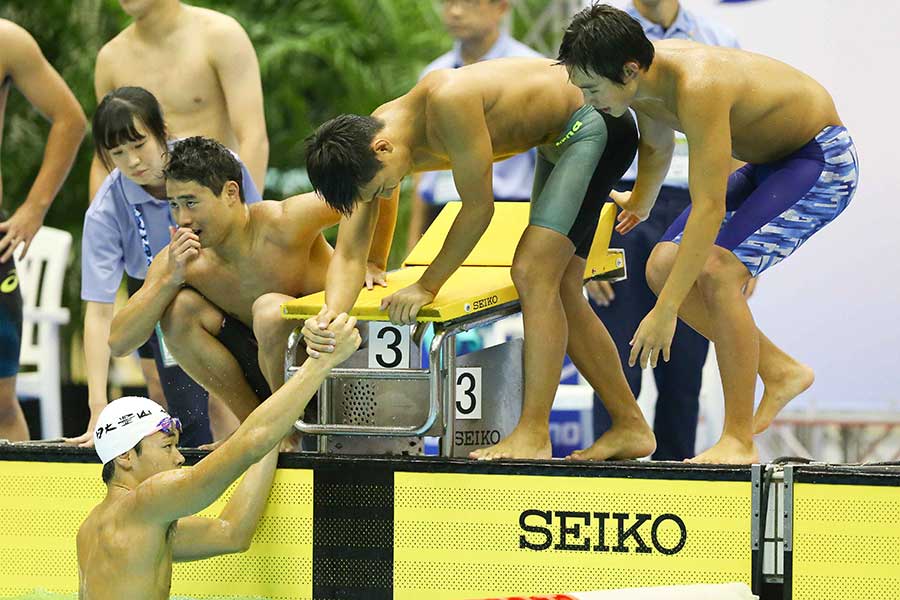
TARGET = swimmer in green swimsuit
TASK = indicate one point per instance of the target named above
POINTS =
(464, 120)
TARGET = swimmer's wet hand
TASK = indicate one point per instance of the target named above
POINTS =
(86, 439)
(184, 247)
(346, 340)
(19, 229)
(375, 275)
(653, 337)
(632, 213)
(601, 292)
(403, 305)
(317, 335)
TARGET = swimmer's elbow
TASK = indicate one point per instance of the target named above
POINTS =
(75, 124)
(242, 544)
(117, 346)
(237, 540)
(481, 212)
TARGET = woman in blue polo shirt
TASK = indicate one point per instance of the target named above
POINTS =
(126, 225)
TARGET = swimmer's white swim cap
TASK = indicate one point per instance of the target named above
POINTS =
(125, 422)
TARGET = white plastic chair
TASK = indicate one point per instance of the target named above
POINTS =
(41, 276)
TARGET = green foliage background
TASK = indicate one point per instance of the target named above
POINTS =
(318, 58)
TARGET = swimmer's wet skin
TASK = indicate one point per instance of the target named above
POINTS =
(128, 542)
(463, 119)
(801, 173)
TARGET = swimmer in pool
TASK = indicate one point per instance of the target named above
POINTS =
(128, 542)
(801, 172)
(463, 120)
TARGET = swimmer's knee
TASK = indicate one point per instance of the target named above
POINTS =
(186, 310)
(722, 274)
(268, 322)
(659, 265)
(531, 280)
(266, 306)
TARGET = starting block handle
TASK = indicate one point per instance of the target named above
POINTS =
(439, 343)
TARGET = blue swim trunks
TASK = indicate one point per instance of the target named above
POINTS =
(10, 319)
(772, 208)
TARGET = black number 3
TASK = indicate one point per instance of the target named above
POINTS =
(472, 400)
(393, 346)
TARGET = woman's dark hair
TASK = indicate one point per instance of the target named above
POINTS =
(113, 123)
(109, 469)
(205, 161)
(601, 39)
(340, 159)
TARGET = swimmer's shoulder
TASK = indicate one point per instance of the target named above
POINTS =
(114, 52)
(294, 219)
(265, 211)
(212, 24)
(267, 217)
(18, 47)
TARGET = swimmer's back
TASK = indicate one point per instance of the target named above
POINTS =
(526, 101)
(777, 108)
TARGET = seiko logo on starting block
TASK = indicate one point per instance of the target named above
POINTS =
(482, 303)
(478, 437)
(586, 532)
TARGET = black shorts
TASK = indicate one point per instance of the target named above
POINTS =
(574, 175)
(240, 341)
(10, 317)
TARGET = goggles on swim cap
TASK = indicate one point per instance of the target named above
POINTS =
(169, 425)
(123, 423)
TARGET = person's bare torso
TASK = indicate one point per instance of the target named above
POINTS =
(178, 71)
(275, 263)
(526, 103)
(776, 108)
(118, 558)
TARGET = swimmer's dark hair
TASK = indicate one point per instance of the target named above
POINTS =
(601, 39)
(205, 161)
(109, 469)
(113, 123)
(340, 159)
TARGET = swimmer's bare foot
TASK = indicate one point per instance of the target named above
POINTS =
(728, 450)
(620, 442)
(521, 443)
(779, 390)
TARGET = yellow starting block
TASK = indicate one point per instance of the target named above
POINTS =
(483, 282)
(361, 394)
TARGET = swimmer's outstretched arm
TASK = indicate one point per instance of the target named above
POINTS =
(705, 117)
(172, 495)
(458, 118)
(346, 273)
(232, 531)
(383, 237)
